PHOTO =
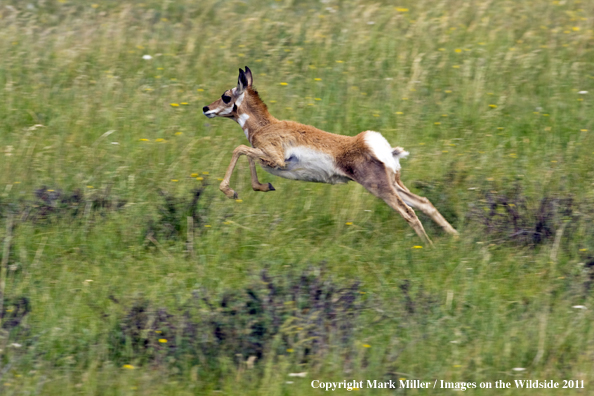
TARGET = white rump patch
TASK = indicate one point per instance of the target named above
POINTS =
(382, 150)
(304, 163)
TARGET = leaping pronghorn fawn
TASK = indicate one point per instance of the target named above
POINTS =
(301, 152)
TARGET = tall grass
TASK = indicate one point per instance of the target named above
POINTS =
(485, 95)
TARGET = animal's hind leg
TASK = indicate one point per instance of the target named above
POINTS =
(423, 204)
(377, 180)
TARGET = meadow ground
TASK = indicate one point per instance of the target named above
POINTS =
(120, 279)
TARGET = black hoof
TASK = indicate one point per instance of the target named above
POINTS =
(235, 196)
(270, 188)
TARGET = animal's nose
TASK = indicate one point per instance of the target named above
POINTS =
(205, 109)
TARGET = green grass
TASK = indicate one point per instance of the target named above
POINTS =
(483, 94)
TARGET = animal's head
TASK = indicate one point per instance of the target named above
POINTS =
(231, 100)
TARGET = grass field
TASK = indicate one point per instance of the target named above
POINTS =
(101, 150)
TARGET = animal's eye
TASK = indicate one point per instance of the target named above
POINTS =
(226, 98)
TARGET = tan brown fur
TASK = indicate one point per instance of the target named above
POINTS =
(353, 157)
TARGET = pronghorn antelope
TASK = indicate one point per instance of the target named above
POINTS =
(301, 152)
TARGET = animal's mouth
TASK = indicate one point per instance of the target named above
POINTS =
(209, 114)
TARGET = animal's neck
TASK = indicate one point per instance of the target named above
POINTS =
(253, 114)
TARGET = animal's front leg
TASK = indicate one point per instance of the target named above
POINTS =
(252, 153)
(256, 185)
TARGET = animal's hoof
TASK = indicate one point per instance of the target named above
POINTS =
(270, 188)
(235, 196)
(229, 193)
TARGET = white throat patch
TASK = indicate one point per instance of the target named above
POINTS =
(242, 121)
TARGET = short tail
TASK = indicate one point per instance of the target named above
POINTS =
(399, 152)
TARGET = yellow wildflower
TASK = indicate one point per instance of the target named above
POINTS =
(128, 366)
(162, 340)
(174, 104)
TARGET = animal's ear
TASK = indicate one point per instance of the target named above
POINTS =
(242, 82)
(248, 75)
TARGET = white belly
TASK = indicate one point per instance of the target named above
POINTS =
(303, 163)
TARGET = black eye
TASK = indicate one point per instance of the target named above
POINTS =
(226, 98)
